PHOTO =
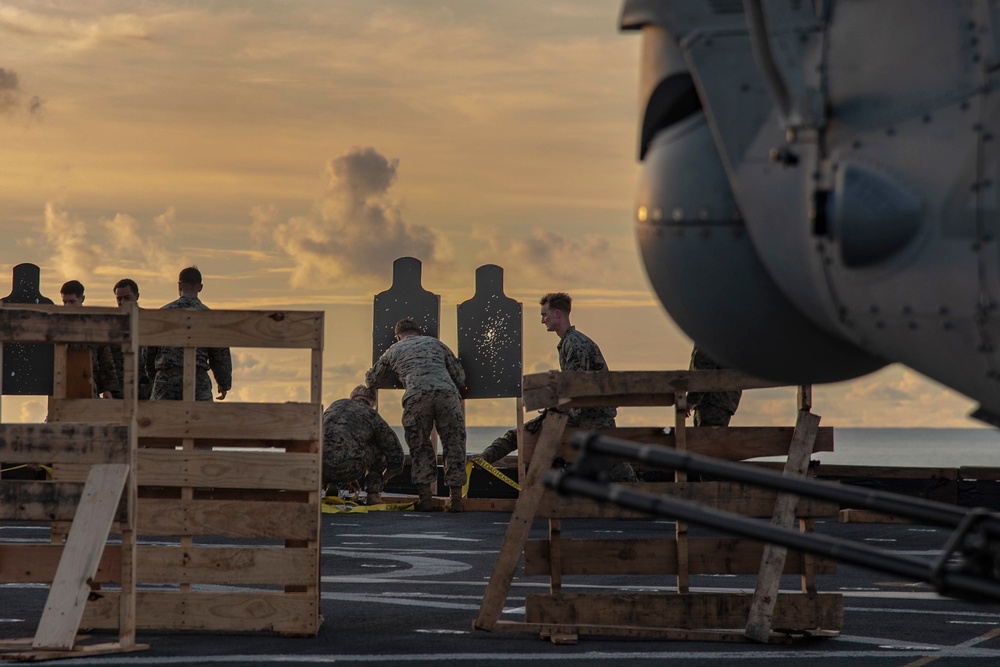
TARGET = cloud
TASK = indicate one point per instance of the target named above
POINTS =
(549, 255)
(356, 230)
(11, 96)
(72, 254)
(78, 33)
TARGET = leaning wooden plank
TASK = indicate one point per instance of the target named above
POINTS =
(31, 323)
(231, 328)
(65, 442)
(793, 611)
(520, 523)
(224, 611)
(84, 545)
(228, 518)
(707, 555)
(553, 388)
(240, 470)
(759, 623)
(744, 499)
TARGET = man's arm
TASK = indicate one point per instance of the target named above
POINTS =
(388, 442)
(378, 375)
(221, 362)
(105, 376)
(454, 367)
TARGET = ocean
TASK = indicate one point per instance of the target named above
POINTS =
(911, 447)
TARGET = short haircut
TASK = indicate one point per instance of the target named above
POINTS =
(127, 282)
(406, 324)
(364, 392)
(190, 276)
(72, 287)
(558, 301)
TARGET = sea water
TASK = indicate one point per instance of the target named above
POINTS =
(909, 447)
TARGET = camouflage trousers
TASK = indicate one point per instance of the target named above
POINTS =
(168, 386)
(344, 464)
(711, 415)
(421, 413)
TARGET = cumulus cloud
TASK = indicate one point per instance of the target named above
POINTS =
(356, 229)
(549, 255)
(72, 254)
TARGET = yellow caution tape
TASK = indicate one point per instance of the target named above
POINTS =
(488, 467)
(47, 469)
(336, 505)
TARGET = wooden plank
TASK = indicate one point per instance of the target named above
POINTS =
(84, 545)
(158, 564)
(79, 373)
(887, 472)
(31, 323)
(38, 501)
(88, 651)
(744, 499)
(582, 388)
(234, 470)
(732, 443)
(64, 442)
(520, 523)
(706, 555)
(228, 518)
(868, 516)
(231, 328)
(632, 632)
(203, 419)
(226, 611)
(759, 622)
(793, 611)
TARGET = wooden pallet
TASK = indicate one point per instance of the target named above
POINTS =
(563, 617)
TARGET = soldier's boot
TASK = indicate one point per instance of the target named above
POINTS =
(457, 504)
(374, 499)
(424, 502)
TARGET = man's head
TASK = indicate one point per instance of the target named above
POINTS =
(555, 311)
(189, 281)
(405, 328)
(363, 393)
(72, 293)
(126, 291)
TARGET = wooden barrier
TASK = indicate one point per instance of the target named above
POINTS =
(233, 488)
(686, 614)
(102, 500)
(229, 493)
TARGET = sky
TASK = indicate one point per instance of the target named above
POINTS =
(292, 150)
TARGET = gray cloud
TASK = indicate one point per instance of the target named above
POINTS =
(549, 255)
(357, 230)
(11, 95)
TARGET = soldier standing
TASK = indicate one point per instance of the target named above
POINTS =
(713, 408)
(577, 352)
(127, 291)
(165, 365)
(432, 378)
(358, 443)
(104, 376)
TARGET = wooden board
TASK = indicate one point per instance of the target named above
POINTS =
(65, 442)
(623, 388)
(203, 419)
(228, 469)
(30, 323)
(38, 501)
(231, 328)
(689, 610)
(657, 556)
(223, 611)
(84, 546)
(545, 630)
(158, 564)
(733, 443)
(228, 518)
(744, 499)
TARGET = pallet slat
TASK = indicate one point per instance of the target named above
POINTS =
(231, 328)
(67, 442)
(228, 518)
(239, 470)
(31, 323)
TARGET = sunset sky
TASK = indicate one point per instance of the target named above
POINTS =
(292, 150)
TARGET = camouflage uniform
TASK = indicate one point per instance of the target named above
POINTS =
(140, 371)
(711, 408)
(165, 365)
(357, 443)
(577, 352)
(431, 376)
